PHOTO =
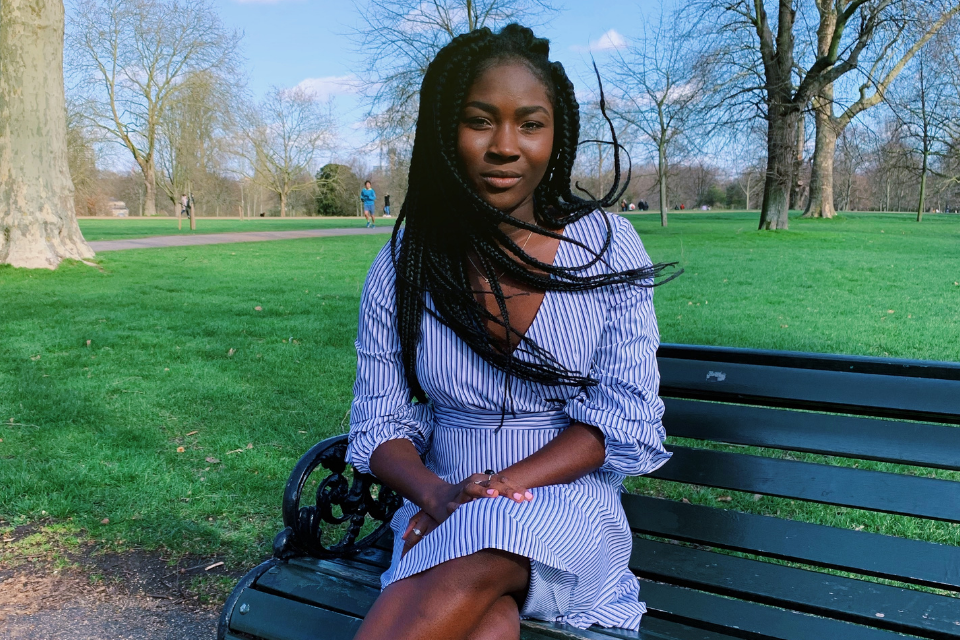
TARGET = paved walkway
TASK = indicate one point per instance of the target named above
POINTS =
(223, 238)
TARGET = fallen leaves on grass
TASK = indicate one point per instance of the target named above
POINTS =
(212, 460)
(724, 499)
(258, 308)
(213, 566)
(231, 352)
(180, 449)
(192, 433)
(105, 521)
(35, 358)
(249, 446)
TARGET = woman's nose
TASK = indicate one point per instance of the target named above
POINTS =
(503, 143)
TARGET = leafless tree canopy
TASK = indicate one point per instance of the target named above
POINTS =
(283, 137)
(129, 59)
(399, 38)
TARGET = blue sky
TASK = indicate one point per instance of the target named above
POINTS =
(287, 42)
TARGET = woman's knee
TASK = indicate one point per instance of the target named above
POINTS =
(489, 569)
(501, 622)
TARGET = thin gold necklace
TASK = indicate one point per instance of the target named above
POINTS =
(480, 271)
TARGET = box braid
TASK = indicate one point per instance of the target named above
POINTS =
(433, 253)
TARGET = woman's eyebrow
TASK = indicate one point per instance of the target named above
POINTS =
(526, 111)
(483, 106)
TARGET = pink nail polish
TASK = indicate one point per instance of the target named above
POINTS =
(517, 496)
(490, 492)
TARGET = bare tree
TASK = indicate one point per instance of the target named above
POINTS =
(131, 56)
(664, 87)
(907, 30)
(284, 134)
(758, 49)
(399, 38)
(194, 130)
(38, 224)
(927, 110)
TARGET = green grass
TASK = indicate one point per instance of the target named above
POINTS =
(92, 431)
(125, 228)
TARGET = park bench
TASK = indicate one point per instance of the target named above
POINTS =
(763, 428)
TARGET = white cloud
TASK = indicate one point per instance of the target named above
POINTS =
(609, 41)
(328, 86)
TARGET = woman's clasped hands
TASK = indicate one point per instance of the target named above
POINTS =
(448, 497)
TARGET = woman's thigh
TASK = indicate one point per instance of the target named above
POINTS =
(448, 601)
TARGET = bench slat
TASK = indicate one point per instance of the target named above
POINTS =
(908, 443)
(650, 629)
(338, 593)
(856, 393)
(275, 618)
(807, 360)
(901, 610)
(913, 561)
(749, 619)
(872, 490)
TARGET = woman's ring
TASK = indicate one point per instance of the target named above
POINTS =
(418, 532)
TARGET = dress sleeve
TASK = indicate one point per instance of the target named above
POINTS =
(382, 409)
(624, 403)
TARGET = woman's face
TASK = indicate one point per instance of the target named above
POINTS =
(505, 137)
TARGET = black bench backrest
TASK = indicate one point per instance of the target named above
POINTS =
(851, 409)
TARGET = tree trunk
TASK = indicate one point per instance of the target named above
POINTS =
(38, 222)
(149, 172)
(283, 205)
(663, 185)
(821, 203)
(923, 188)
(781, 150)
(796, 187)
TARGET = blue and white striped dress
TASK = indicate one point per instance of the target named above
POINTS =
(576, 535)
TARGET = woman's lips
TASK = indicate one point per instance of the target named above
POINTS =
(501, 182)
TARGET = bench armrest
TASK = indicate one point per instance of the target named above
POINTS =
(344, 496)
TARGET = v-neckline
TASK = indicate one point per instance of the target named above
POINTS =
(543, 301)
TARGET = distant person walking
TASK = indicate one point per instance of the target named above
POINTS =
(386, 206)
(190, 205)
(184, 205)
(369, 198)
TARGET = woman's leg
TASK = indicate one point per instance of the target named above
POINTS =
(449, 601)
(502, 622)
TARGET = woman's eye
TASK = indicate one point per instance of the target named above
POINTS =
(531, 126)
(476, 122)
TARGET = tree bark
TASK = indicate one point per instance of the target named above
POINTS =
(149, 172)
(662, 167)
(923, 186)
(821, 203)
(283, 205)
(781, 149)
(38, 222)
(796, 187)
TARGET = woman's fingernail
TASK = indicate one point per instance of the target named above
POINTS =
(517, 496)
(490, 492)
(529, 495)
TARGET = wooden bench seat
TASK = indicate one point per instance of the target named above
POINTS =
(873, 440)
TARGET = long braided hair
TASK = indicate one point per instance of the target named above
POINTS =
(433, 254)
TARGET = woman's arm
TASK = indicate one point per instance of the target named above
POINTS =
(397, 464)
(577, 451)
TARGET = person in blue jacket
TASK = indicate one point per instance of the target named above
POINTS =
(369, 198)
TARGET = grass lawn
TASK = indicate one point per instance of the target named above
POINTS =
(151, 404)
(124, 228)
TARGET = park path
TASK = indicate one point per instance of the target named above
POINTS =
(156, 242)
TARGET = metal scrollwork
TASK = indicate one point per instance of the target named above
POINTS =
(355, 501)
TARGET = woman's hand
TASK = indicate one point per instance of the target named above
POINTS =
(419, 526)
(449, 497)
(477, 486)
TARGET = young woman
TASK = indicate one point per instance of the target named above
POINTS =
(507, 378)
